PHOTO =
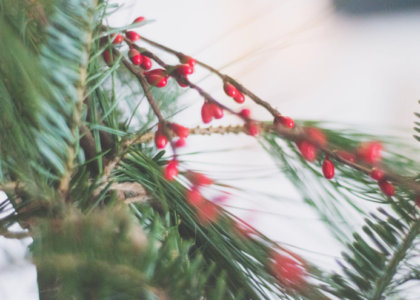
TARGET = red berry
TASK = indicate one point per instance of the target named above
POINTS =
(284, 121)
(171, 170)
(107, 57)
(217, 111)
(139, 19)
(208, 212)
(230, 90)
(245, 113)
(188, 60)
(160, 140)
(317, 136)
(199, 179)
(252, 129)
(387, 188)
(288, 270)
(135, 57)
(132, 35)
(180, 143)
(146, 64)
(184, 70)
(370, 152)
(376, 174)
(162, 83)
(346, 155)
(328, 169)
(239, 98)
(156, 80)
(194, 197)
(180, 130)
(308, 150)
(207, 113)
(118, 39)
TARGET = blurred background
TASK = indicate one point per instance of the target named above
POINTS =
(351, 62)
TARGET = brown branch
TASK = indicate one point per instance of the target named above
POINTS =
(295, 134)
(224, 77)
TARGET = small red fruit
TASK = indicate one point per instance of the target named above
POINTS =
(207, 113)
(132, 35)
(118, 39)
(288, 270)
(194, 197)
(208, 212)
(180, 130)
(180, 143)
(188, 60)
(199, 179)
(245, 113)
(184, 70)
(171, 170)
(307, 150)
(107, 57)
(146, 64)
(239, 98)
(217, 111)
(230, 90)
(252, 129)
(328, 169)
(370, 152)
(135, 57)
(284, 121)
(387, 188)
(317, 135)
(346, 155)
(139, 19)
(160, 140)
(376, 174)
(156, 80)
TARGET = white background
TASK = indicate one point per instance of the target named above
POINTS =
(305, 59)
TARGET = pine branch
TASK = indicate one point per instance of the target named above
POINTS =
(80, 91)
(391, 269)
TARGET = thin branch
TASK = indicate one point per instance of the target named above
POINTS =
(391, 269)
(224, 77)
(296, 134)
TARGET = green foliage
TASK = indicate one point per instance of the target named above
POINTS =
(65, 114)
(379, 263)
(244, 259)
(108, 255)
(40, 95)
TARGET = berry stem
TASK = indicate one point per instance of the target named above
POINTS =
(224, 77)
(295, 134)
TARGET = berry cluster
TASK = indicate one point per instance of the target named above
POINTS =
(233, 92)
(288, 270)
(369, 153)
(210, 111)
(180, 131)
(207, 210)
